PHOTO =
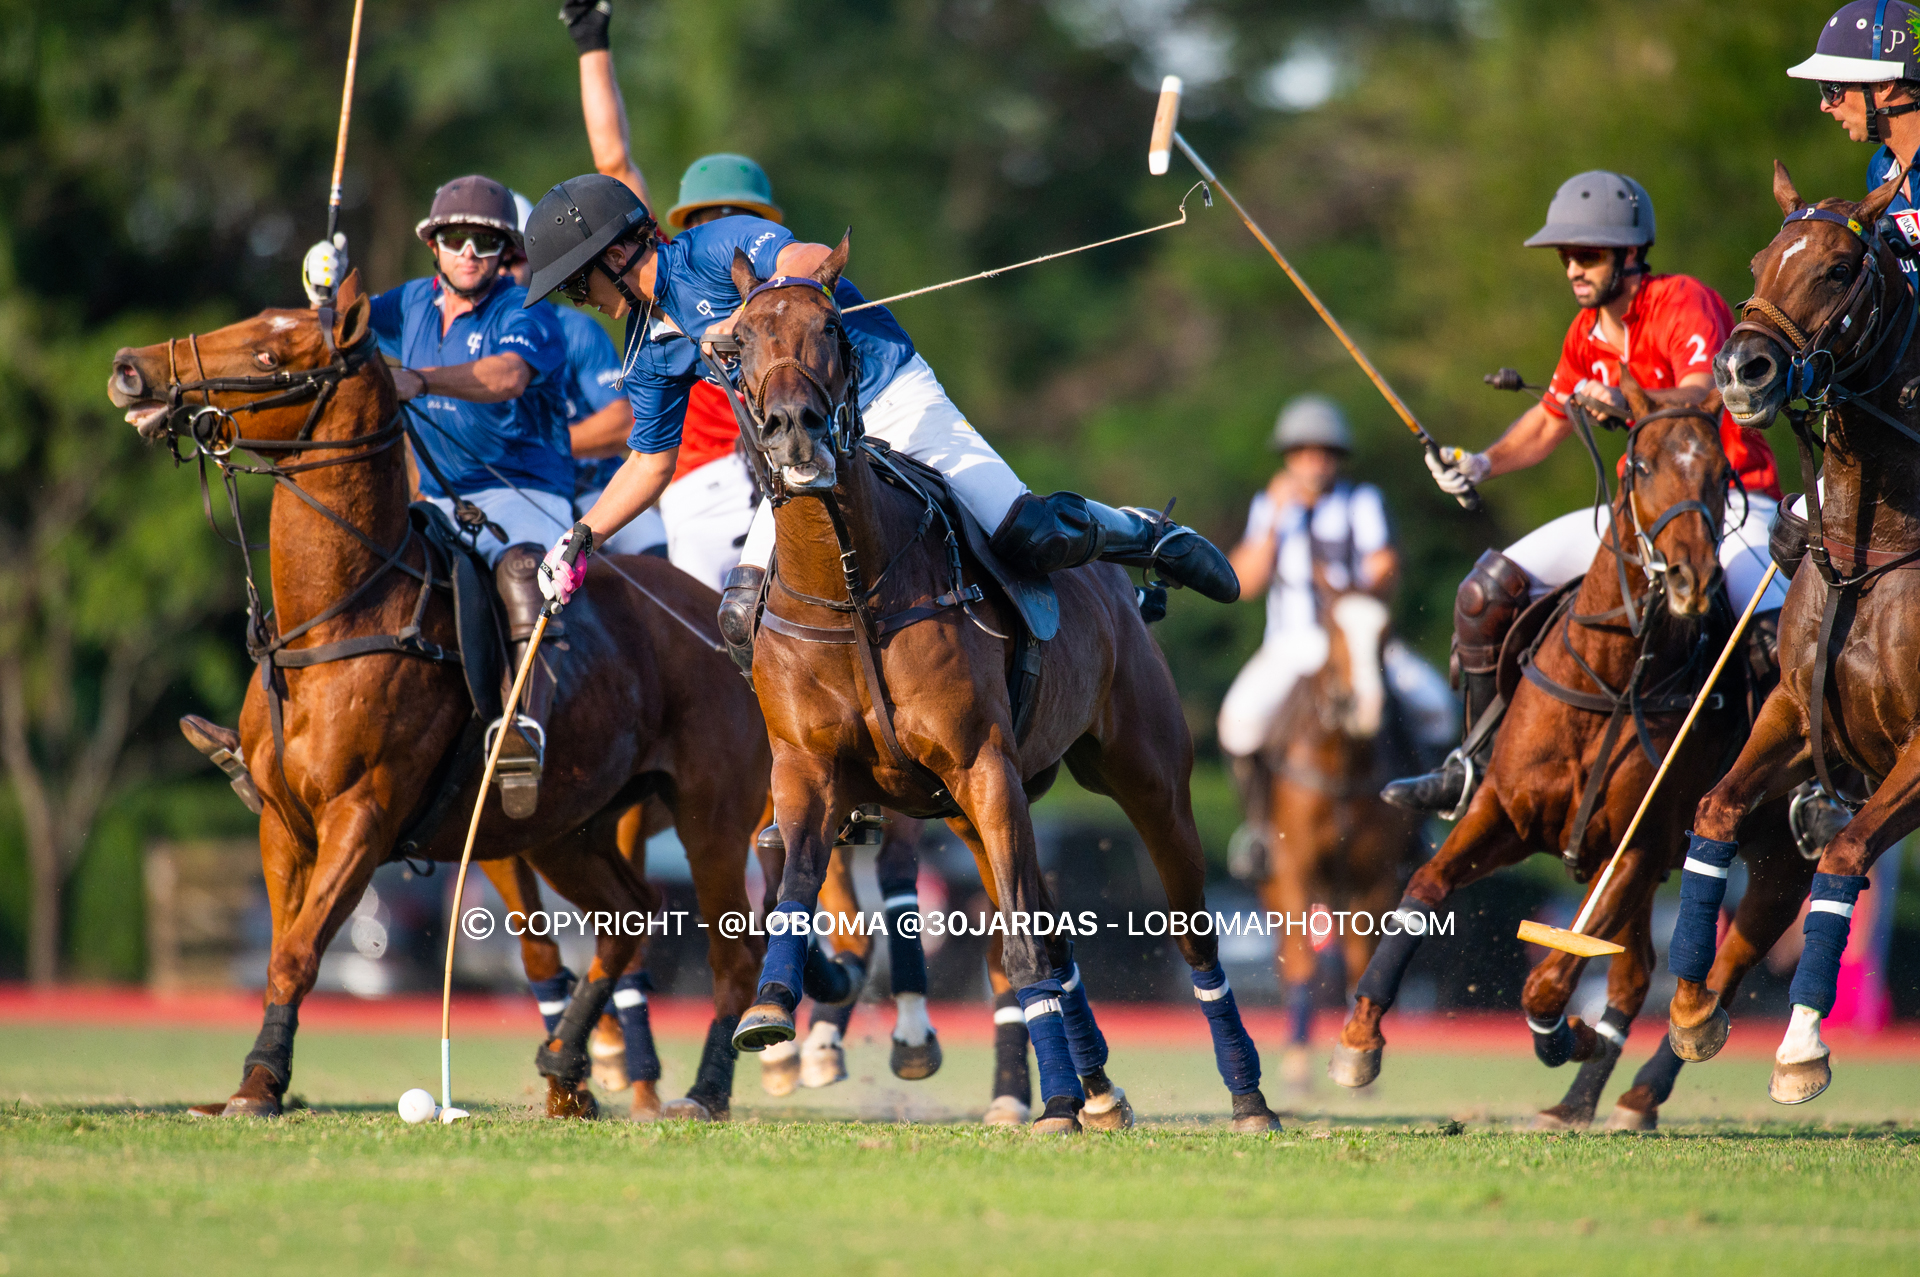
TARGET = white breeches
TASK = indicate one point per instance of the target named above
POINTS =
(525, 516)
(708, 512)
(1563, 549)
(913, 415)
(1263, 685)
(644, 533)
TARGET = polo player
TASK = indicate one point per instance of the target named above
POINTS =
(1665, 329)
(1313, 526)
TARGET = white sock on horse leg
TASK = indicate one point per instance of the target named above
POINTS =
(1802, 1042)
(779, 1051)
(911, 1024)
(823, 1034)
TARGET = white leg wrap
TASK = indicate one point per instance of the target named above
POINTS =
(823, 1035)
(779, 1051)
(1802, 1042)
(911, 1024)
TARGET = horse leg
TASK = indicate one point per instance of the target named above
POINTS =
(1295, 832)
(1696, 1021)
(810, 813)
(1146, 769)
(1012, 1080)
(916, 1048)
(1558, 1037)
(1483, 841)
(1802, 1065)
(823, 1061)
(1628, 977)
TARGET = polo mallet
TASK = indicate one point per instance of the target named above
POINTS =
(448, 1113)
(1574, 940)
(1159, 154)
(346, 118)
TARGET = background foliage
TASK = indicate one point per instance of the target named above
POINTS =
(164, 162)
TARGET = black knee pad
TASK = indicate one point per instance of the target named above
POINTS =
(1048, 534)
(1787, 541)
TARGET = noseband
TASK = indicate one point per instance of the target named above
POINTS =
(211, 427)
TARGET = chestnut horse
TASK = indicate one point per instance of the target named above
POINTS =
(1330, 838)
(1603, 666)
(1831, 321)
(916, 714)
(365, 736)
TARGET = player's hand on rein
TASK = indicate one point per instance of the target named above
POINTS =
(562, 571)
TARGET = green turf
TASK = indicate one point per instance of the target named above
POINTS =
(102, 1173)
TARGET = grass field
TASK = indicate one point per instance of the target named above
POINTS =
(103, 1173)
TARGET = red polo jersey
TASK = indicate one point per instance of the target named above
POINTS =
(1674, 327)
(709, 431)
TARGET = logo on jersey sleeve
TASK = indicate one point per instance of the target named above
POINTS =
(509, 339)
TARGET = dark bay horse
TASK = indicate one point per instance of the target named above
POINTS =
(917, 716)
(1832, 322)
(1573, 733)
(645, 708)
(1330, 838)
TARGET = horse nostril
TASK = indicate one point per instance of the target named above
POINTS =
(1756, 370)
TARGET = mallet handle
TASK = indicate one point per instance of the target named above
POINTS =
(1693, 712)
(1470, 499)
(1165, 117)
(346, 117)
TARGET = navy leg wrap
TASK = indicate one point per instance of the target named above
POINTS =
(786, 954)
(1703, 884)
(1658, 1073)
(1041, 1003)
(713, 1082)
(552, 995)
(1380, 983)
(1299, 999)
(1085, 1042)
(899, 898)
(1829, 917)
(824, 979)
(1233, 1049)
(839, 1014)
(630, 1008)
(1011, 1076)
(273, 1049)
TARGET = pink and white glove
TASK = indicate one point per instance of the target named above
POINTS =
(565, 566)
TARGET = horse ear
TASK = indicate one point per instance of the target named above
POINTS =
(743, 277)
(350, 288)
(829, 272)
(1784, 193)
(1876, 203)
(1637, 402)
(355, 318)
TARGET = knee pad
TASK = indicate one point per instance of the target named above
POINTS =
(1489, 600)
(1787, 541)
(1049, 534)
(517, 577)
(1763, 654)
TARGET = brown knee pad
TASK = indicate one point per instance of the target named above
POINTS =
(1489, 601)
(517, 576)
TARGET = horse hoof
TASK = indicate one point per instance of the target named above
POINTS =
(1798, 1083)
(250, 1106)
(1701, 1041)
(1061, 1117)
(1354, 1069)
(1251, 1116)
(823, 1066)
(764, 1024)
(571, 1102)
(646, 1102)
(608, 1052)
(1633, 1119)
(780, 1069)
(1006, 1111)
(1562, 1117)
(688, 1109)
(912, 1063)
(1109, 1112)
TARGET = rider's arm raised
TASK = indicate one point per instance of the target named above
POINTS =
(606, 115)
(494, 379)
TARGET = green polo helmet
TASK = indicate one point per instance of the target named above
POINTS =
(713, 180)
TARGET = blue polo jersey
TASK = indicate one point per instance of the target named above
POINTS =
(1903, 211)
(524, 439)
(693, 284)
(587, 386)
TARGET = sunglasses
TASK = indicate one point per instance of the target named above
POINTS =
(483, 243)
(1585, 258)
(1832, 93)
(575, 288)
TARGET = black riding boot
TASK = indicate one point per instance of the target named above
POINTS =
(1065, 530)
(521, 758)
(1489, 601)
(739, 598)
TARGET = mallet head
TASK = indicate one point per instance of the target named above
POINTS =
(1165, 118)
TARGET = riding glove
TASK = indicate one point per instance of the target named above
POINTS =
(1456, 470)
(587, 23)
(559, 578)
(323, 268)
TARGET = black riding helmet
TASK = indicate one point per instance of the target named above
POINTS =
(574, 223)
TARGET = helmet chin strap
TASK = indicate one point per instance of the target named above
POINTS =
(468, 294)
(1621, 274)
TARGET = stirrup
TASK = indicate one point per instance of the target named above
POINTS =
(1466, 785)
(518, 775)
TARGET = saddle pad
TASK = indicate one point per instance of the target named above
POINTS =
(483, 655)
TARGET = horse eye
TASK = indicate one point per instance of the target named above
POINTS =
(1642, 467)
(265, 359)
(1840, 274)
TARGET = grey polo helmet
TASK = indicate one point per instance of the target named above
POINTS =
(574, 223)
(1597, 210)
(1312, 421)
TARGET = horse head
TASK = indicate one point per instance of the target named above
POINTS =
(271, 367)
(1356, 684)
(1817, 308)
(797, 372)
(1674, 467)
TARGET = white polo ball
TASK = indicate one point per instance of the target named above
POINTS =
(417, 1106)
